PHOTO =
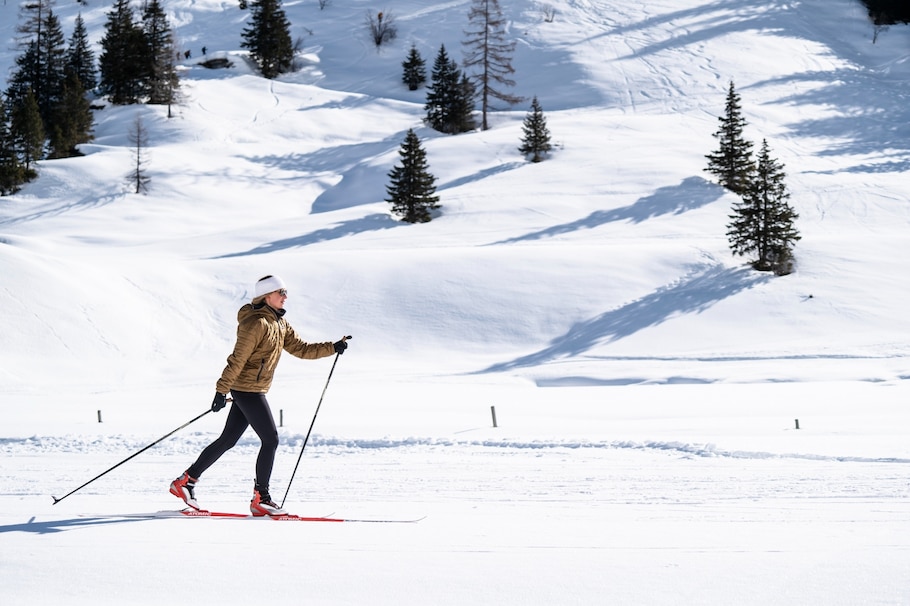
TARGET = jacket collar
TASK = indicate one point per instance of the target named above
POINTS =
(279, 313)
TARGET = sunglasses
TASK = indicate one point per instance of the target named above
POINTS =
(282, 291)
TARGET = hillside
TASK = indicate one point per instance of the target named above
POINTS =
(606, 263)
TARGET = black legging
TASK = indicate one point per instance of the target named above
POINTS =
(248, 410)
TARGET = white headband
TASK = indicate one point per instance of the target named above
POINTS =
(266, 285)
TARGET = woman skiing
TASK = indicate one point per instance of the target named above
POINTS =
(262, 333)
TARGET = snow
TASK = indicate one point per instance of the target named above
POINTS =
(647, 385)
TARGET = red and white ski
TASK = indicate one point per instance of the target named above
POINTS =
(189, 512)
(285, 517)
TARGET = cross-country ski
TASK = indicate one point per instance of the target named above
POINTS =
(189, 512)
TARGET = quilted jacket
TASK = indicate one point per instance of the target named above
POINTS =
(262, 333)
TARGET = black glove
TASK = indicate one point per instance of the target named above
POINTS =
(219, 402)
(340, 346)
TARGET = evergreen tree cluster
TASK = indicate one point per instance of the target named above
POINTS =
(762, 223)
(452, 92)
(44, 111)
(449, 106)
(450, 97)
(412, 189)
(138, 57)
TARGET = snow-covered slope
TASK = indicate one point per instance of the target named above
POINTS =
(614, 248)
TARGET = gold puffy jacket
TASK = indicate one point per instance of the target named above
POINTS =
(262, 333)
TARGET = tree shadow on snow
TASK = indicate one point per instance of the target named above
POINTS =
(692, 294)
(374, 222)
(691, 193)
(867, 124)
(482, 174)
(709, 21)
(357, 164)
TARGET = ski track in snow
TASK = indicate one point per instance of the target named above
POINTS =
(49, 445)
(351, 476)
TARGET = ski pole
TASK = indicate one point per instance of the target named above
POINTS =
(313, 422)
(56, 500)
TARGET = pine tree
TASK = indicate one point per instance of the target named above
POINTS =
(463, 104)
(536, 139)
(414, 70)
(450, 97)
(27, 74)
(412, 188)
(489, 55)
(27, 132)
(12, 173)
(763, 223)
(732, 162)
(138, 138)
(123, 63)
(52, 46)
(163, 82)
(32, 39)
(72, 124)
(442, 81)
(41, 67)
(268, 38)
(80, 60)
